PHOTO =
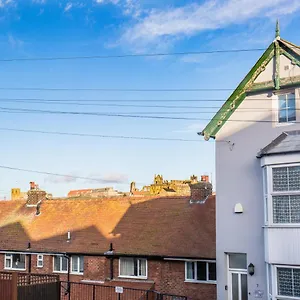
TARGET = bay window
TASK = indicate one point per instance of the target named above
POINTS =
(286, 194)
(288, 282)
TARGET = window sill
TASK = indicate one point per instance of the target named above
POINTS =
(133, 277)
(40, 267)
(282, 225)
(285, 124)
(76, 273)
(61, 272)
(200, 281)
(14, 269)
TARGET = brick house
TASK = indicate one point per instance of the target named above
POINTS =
(161, 243)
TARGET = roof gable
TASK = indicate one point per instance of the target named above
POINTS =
(253, 83)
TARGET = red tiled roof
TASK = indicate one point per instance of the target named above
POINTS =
(74, 193)
(141, 226)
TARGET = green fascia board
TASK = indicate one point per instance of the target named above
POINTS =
(294, 57)
(237, 96)
(265, 86)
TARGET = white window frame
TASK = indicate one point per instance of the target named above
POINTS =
(10, 257)
(138, 262)
(78, 265)
(40, 261)
(207, 272)
(60, 264)
(275, 282)
(276, 108)
(270, 193)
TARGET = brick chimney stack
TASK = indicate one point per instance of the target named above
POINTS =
(35, 195)
(200, 191)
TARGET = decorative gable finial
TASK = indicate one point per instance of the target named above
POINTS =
(277, 32)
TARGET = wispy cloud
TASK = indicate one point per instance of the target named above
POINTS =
(188, 20)
(39, 1)
(196, 127)
(6, 2)
(108, 178)
(15, 42)
(107, 1)
(95, 178)
(68, 6)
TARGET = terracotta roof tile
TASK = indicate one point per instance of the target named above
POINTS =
(141, 226)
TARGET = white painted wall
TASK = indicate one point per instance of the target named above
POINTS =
(239, 179)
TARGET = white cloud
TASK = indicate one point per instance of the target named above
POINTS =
(68, 6)
(5, 2)
(107, 1)
(93, 178)
(39, 1)
(191, 19)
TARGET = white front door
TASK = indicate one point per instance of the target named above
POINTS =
(238, 285)
(237, 276)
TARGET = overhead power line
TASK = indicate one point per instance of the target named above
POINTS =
(99, 135)
(37, 111)
(51, 58)
(115, 89)
(42, 100)
(61, 175)
(50, 102)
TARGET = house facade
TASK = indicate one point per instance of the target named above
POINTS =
(160, 243)
(258, 180)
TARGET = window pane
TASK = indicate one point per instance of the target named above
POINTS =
(235, 286)
(190, 270)
(126, 267)
(8, 261)
(280, 179)
(142, 267)
(244, 287)
(294, 178)
(201, 271)
(212, 271)
(296, 277)
(282, 101)
(282, 116)
(281, 209)
(270, 278)
(295, 208)
(238, 261)
(64, 264)
(18, 261)
(81, 264)
(56, 263)
(75, 264)
(284, 282)
(291, 107)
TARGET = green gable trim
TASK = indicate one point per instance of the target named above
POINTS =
(294, 60)
(267, 85)
(238, 95)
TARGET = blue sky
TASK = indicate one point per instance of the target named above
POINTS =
(49, 28)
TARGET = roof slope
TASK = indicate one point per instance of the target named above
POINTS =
(278, 47)
(153, 226)
(287, 142)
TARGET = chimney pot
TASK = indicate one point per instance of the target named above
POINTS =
(205, 178)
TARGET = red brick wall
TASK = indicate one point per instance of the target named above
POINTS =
(163, 276)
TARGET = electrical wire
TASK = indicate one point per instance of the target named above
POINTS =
(37, 111)
(61, 175)
(99, 135)
(129, 55)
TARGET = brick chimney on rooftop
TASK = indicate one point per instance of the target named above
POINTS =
(200, 191)
(35, 195)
